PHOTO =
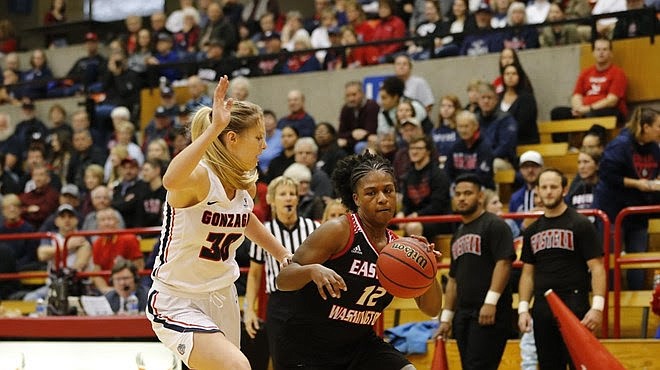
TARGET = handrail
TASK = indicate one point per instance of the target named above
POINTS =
(284, 53)
(518, 264)
(618, 261)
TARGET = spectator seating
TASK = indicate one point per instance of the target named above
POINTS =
(546, 150)
(547, 128)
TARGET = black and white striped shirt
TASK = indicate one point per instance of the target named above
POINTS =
(290, 239)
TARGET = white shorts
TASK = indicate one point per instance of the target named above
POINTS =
(175, 317)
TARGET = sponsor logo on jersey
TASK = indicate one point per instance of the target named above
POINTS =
(225, 219)
(356, 250)
(552, 238)
(211, 203)
(245, 203)
(363, 268)
(468, 243)
(354, 316)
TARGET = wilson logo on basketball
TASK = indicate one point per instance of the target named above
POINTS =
(411, 253)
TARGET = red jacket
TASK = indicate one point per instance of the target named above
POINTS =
(47, 198)
(389, 28)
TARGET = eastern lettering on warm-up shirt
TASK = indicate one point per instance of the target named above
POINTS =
(552, 238)
(363, 268)
(225, 219)
(360, 317)
(469, 243)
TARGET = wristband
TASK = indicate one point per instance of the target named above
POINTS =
(492, 297)
(598, 303)
(447, 315)
(523, 307)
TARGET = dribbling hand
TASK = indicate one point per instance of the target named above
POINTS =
(327, 279)
(221, 108)
(429, 247)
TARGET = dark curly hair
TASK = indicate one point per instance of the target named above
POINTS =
(351, 169)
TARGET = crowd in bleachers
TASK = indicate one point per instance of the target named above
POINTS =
(99, 160)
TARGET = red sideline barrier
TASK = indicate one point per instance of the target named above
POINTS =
(618, 261)
(517, 264)
(69, 327)
(439, 361)
(586, 351)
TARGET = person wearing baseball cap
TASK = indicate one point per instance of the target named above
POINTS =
(86, 73)
(522, 200)
(69, 196)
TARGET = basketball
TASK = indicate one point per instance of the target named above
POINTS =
(405, 268)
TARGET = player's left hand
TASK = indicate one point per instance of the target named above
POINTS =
(487, 314)
(221, 107)
(593, 320)
(429, 247)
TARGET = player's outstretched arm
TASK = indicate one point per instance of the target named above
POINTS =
(257, 232)
(307, 266)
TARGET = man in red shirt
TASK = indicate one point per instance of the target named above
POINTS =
(600, 90)
(107, 249)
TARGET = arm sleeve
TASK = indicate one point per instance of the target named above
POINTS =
(502, 241)
(526, 255)
(612, 166)
(619, 83)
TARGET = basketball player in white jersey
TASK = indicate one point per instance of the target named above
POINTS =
(210, 185)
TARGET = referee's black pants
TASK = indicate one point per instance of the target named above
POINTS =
(550, 347)
(481, 347)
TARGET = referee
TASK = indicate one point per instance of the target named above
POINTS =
(291, 231)
(561, 251)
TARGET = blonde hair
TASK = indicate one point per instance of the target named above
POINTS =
(489, 194)
(276, 183)
(121, 151)
(272, 189)
(96, 171)
(229, 169)
(329, 206)
(162, 144)
(11, 200)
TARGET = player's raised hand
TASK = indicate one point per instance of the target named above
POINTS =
(221, 108)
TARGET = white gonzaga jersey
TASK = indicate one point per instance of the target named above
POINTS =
(198, 243)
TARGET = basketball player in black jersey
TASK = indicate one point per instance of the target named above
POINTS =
(560, 249)
(338, 297)
(478, 297)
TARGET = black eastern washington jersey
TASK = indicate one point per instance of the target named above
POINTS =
(559, 248)
(350, 317)
(475, 249)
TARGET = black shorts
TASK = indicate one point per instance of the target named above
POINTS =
(370, 352)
